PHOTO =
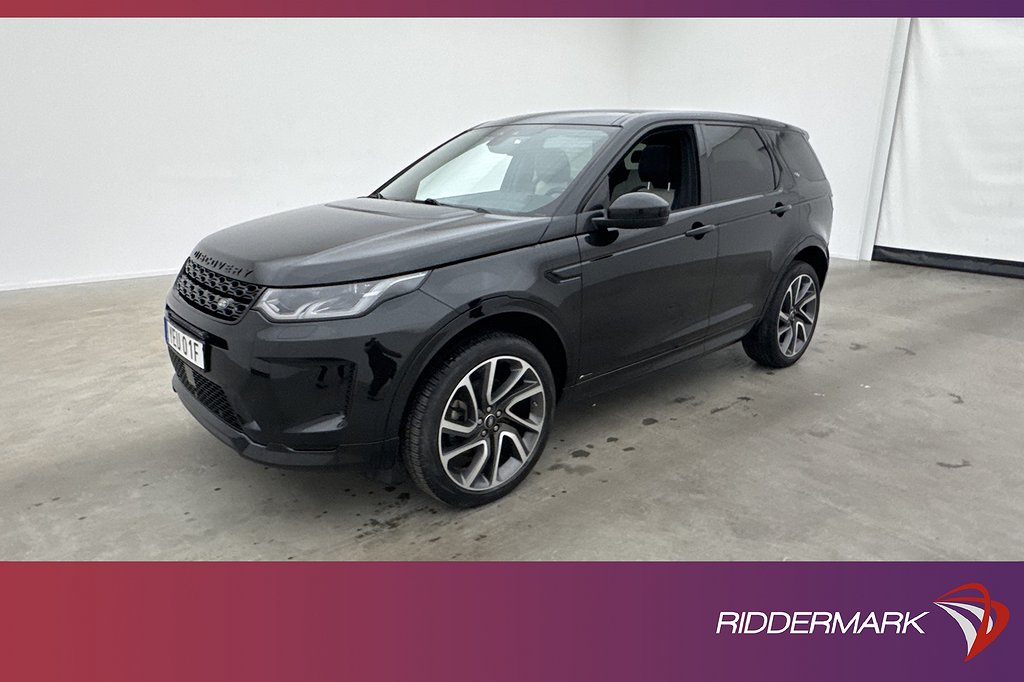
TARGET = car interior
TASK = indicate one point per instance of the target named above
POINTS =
(536, 170)
(662, 163)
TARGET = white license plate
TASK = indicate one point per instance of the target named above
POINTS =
(185, 345)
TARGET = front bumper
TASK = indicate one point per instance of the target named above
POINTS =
(307, 393)
(280, 455)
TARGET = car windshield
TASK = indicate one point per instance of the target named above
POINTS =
(505, 169)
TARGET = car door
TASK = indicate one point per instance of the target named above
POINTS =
(646, 292)
(752, 215)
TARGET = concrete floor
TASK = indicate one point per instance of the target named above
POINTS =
(899, 436)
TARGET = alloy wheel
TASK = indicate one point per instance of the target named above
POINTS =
(797, 315)
(492, 423)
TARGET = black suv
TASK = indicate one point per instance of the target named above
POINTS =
(437, 321)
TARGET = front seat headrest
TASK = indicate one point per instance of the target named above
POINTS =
(656, 165)
(551, 166)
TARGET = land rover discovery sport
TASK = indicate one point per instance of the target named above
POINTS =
(434, 323)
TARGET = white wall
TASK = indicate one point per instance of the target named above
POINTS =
(826, 76)
(955, 179)
(123, 142)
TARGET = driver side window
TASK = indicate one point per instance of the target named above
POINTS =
(663, 162)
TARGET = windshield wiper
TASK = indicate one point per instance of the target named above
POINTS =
(434, 202)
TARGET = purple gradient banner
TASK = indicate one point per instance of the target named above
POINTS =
(556, 621)
(509, 8)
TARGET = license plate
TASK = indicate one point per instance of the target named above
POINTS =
(187, 346)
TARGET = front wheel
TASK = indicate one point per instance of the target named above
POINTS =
(782, 336)
(479, 423)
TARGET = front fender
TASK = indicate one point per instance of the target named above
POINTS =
(474, 315)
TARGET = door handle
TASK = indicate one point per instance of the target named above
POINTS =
(781, 208)
(698, 231)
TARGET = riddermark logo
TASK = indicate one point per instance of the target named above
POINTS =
(962, 603)
(992, 616)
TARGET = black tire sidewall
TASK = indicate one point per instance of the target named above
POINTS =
(446, 378)
(772, 314)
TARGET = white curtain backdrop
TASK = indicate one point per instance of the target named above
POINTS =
(124, 142)
(955, 180)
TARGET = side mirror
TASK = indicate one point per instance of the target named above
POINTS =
(635, 210)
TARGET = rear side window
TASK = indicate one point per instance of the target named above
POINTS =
(740, 164)
(799, 156)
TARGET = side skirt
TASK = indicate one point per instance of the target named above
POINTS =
(623, 376)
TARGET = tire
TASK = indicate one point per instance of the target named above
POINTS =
(453, 428)
(785, 331)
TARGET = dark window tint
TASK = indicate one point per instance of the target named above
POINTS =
(799, 156)
(740, 164)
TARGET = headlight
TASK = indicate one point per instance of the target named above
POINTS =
(331, 302)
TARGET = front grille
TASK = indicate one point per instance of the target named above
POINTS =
(213, 293)
(206, 392)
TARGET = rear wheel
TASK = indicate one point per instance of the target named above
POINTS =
(782, 336)
(479, 423)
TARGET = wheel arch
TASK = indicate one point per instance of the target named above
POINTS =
(498, 314)
(812, 251)
(816, 256)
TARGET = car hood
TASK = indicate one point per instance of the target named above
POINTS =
(360, 239)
